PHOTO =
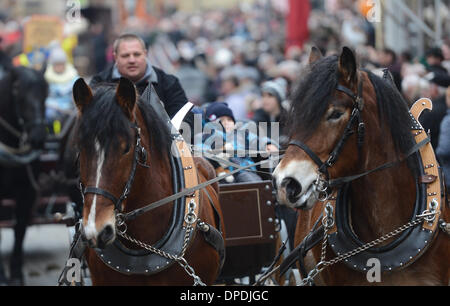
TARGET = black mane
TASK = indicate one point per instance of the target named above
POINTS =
(314, 92)
(104, 121)
(312, 95)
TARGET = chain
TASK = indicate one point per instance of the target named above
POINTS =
(428, 216)
(191, 218)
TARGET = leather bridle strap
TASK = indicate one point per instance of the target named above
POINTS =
(126, 191)
(355, 117)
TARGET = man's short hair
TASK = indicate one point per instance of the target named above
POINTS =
(128, 37)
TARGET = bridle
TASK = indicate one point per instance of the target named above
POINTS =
(140, 158)
(323, 182)
(355, 119)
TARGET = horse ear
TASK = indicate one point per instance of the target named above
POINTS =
(348, 67)
(126, 96)
(82, 94)
(315, 55)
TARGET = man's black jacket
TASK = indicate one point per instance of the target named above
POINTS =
(168, 89)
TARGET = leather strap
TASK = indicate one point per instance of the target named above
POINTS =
(348, 179)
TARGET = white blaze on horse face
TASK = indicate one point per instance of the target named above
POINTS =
(91, 229)
(304, 172)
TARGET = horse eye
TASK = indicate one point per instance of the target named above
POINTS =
(335, 115)
(127, 149)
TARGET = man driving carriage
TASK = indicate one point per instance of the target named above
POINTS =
(131, 61)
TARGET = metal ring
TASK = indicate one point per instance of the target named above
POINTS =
(190, 218)
(124, 226)
(328, 222)
(429, 216)
(322, 196)
(434, 204)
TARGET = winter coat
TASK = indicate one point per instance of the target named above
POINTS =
(443, 150)
(166, 86)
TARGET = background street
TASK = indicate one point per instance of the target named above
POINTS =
(45, 250)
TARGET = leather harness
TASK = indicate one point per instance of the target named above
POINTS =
(407, 248)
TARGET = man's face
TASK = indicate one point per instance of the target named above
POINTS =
(131, 60)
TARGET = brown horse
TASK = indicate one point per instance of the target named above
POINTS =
(116, 129)
(372, 183)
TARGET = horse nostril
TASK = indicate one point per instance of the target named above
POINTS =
(106, 236)
(293, 188)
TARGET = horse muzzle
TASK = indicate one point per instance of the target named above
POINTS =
(100, 239)
(294, 185)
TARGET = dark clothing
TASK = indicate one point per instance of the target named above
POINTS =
(443, 150)
(261, 116)
(167, 87)
(395, 70)
(431, 120)
(441, 76)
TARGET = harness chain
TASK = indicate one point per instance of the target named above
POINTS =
(191, 218)
(428, 216)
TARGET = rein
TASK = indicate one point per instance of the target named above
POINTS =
(140, 211)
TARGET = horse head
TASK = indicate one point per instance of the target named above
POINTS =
(325, 112)
(108, 139)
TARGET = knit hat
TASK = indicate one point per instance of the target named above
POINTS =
(277, 88)
(57, 56)
(217, 110)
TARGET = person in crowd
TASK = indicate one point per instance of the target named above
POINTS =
(431, 120)
(437, 71)
(60, 75)
(272, 110)
(446, 53)
(388, 59)
(443, 149)
(232, 144)
(230, 88)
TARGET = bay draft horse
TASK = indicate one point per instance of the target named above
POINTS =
(376, 203)
(106, 141)
(22, 105)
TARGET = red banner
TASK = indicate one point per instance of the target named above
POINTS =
(297, 23)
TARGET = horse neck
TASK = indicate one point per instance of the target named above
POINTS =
(384, 200)
(8, 113)
(150, 185)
